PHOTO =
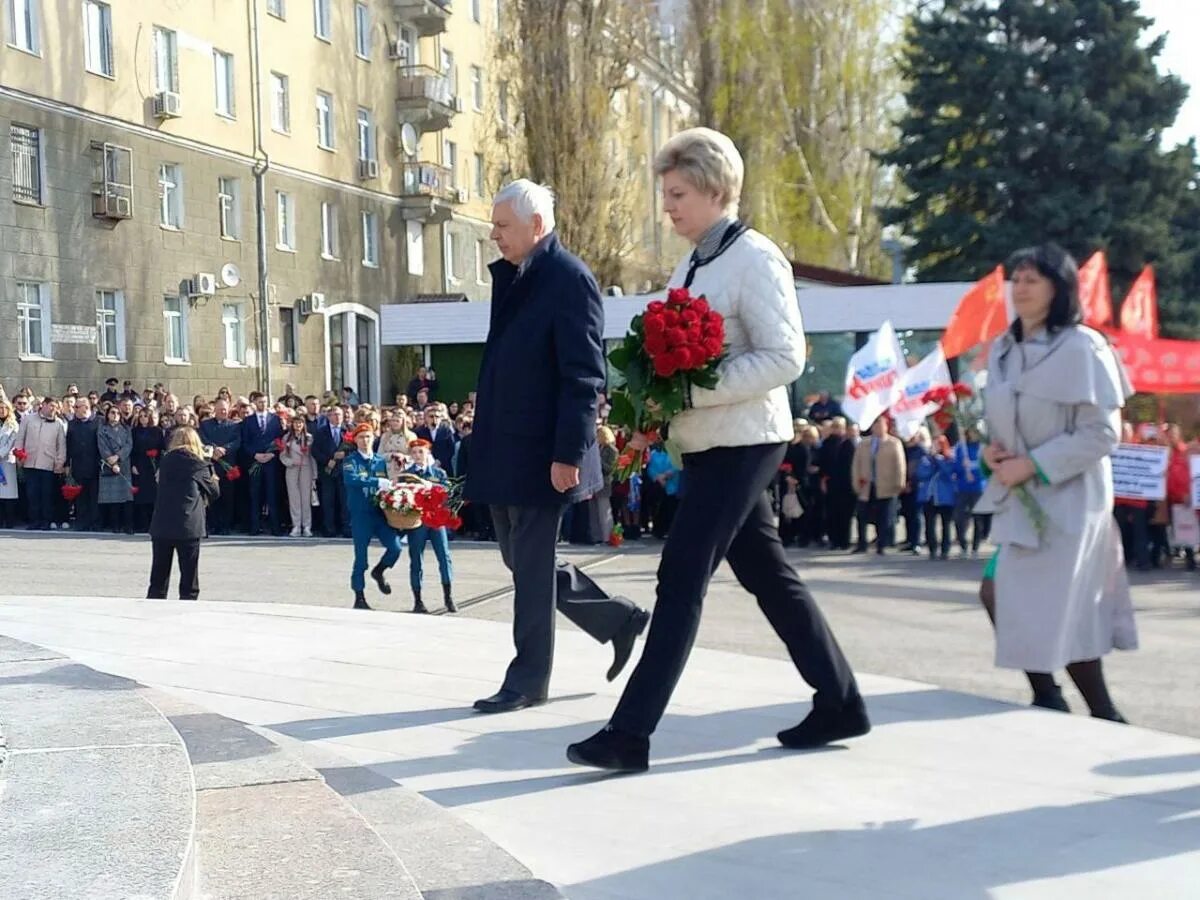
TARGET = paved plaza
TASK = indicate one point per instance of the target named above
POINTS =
(952, 795)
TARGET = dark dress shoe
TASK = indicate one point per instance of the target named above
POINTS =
(623, 641)
(1112, 716)
(360, 600)
(616, 751)
(505, 700)
(448, 598)
(1053, 700)
(377, 574)
(821, 727)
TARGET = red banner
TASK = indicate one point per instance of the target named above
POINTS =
(1095, 295)
(1159, 365)
(1139, 310)
(980, 316)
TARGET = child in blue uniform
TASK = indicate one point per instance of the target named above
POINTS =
(425, 467)
(364, 474)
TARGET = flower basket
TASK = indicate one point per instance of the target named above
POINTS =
(402, 521)
(407, 515)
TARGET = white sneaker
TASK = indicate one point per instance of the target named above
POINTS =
(54, 526)
(307, 532)
(66, 526)
(295, 532)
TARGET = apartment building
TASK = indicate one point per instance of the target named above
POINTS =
(218, 193)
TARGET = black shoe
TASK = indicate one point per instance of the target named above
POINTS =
(360, 600)
(821, 727)
(377, 574)
(505, 700)
(419, 607)
(623, 641)
(1112, 716)
(448, 599)
(616, 751)
(858, 550)
(1053, 700)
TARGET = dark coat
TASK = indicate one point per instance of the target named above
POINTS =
(442, 441)
(542, 367)
(83, 456)
(227, 435)
(185, 485)
(260, 440)
(325, 443)
(144, 439)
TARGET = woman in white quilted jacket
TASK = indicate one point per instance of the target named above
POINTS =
(733, 440)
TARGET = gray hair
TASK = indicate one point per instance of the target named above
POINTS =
(707, 159)
(528, 199)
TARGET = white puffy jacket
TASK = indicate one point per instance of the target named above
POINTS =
(752, 286)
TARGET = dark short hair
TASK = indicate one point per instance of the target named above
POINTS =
(1053, 262)
(312, 397)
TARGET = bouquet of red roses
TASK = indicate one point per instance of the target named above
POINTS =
(671, 347)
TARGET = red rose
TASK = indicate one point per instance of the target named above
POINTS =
(20, 455)
(152, 453)
(656, 344)
(682, 357)
(961, 390)
(664, 366)
(654, 324)
(689, 316)
(671, 318)
(679, 296)
(699, 356)
(655, 306)
(713, 347)
(133, 490)
(676, 337)
(233, 473)
(787, 468)
(700, 306)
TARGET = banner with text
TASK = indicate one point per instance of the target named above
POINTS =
(908, 411)
(873, 377)
(1140, 472)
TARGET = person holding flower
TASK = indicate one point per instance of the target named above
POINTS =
(364, 474)
(300, 474)
(8, 465)
(393, 444)
(1056, 590)
(177, 526)
(733, 438)
(115, 441)
(425, 467)
(937, 495)
(149, 446)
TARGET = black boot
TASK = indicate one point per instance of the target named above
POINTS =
(377, 574)
(1050, 698)
(447, 590)
(623, 641)
(617, 751)
(418, 606)
(360, 600)
(822, 726)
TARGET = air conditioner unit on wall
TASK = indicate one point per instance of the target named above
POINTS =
(303, 307)
(461, 195)
(202, 284)
(112, 206)
(316, 302)
(167, 105)
(458, 104)
(397, 52)
(368, 168)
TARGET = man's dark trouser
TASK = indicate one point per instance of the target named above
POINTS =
(882, 512)
(39, 487)
(841, 514)
(87, 509)
(335, 517)
(725, 514)
(264, 481)
(528, 536)
(160, 569)
(910, 511)
(221, 510)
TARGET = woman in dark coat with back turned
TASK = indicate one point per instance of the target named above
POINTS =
(186, 484)
(148, 439)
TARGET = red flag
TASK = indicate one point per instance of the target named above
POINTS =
(980, 316)
(1139, 311)
(1095, 295)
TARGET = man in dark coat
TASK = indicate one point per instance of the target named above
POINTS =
(260, 429)
(83, 459)
(225, 437)
(534, 438)
(425, 380)
(440, 435)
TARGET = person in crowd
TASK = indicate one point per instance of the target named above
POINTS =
(44, 442)
(129, 392)
(937, 493)
(170, 406)
(223, 393)
(110, 395)
(422, 400)
(290, 398)
(1179, 480)
(793, 481)
(393, 444)
(542, 365)
(591, 520)
(733, 439)
(912, 510)
(425, 380)
(349, 397)
(300, 472)
(149, 447)
(260, 430)
(94, 400)
(312, 413)
(835, 461)
(22, 404)
(9, 488)
(148, 398)
(425, 467)
(1056, 590)
(197, 403)
(331, 441)
(440, 435)
(114, 439)
(825, 408)
(453, 410)
(663, 497)
(970, 483)
(812, 524)
(1133, 518)
(187, 484)
(83, 464)
(364, 474)
(224, 436)
(880, 476)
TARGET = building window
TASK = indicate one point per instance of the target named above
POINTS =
(223, 81)
(281, 105)
(366, 135)
(288, 347)
(477, 88)
(166, 60)
(481, 255)
(285, 221)
(414, 238)
(110, 325)
(452, 271)
(170, 191)
(480, 175)
(502, 103)
(498, 13)
(330, 239)
(476, 10)
(410, 46)
(98, 49)
(362, 30)
(450, 71)
(450, 160)
(26, 145)
(324, 121)
(321, 19)
(233, 326)
(23, 26)
(229, 207)
(175, 329)
(370, 230)
(277, 8)
(33, 320)
(112, 176)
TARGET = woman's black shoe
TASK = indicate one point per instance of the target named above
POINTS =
(1053, 700)
(360, 600)
(616, 751)
(821, 727)
(1112, 716)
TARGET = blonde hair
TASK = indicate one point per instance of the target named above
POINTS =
(185, 438)
(707, 159)
(605, 436)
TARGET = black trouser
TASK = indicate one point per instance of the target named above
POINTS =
(934, 514)
(87, 504)
(910, 511)
(39, 488)
(840, 511)
(189, 569)
(221, 511)
(1134, 524)
(334, 515)
(264, 487)
(880, 511)
(117, 516)
(528, 536)
(8, 513)
(724, 514)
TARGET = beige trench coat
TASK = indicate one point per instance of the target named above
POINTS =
(1061, 597)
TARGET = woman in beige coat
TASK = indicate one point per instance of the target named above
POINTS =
(1056, 590)
(300, 472)
(393, 444)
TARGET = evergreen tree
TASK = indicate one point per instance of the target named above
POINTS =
(1035, 120)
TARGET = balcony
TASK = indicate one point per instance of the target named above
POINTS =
(425, 97)
(428, 17)
(427, 191)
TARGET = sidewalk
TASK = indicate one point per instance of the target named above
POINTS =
(951, 796)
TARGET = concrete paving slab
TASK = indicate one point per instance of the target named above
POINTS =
(950, 796)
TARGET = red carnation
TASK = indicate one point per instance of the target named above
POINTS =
(71, 491)
(699, 355)
(961, 390)
(133, 490)
(233, 473)
(279, 444)
(664, 365)
(787, 468)
(655, 306)
(20, 455)
(152, 453)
